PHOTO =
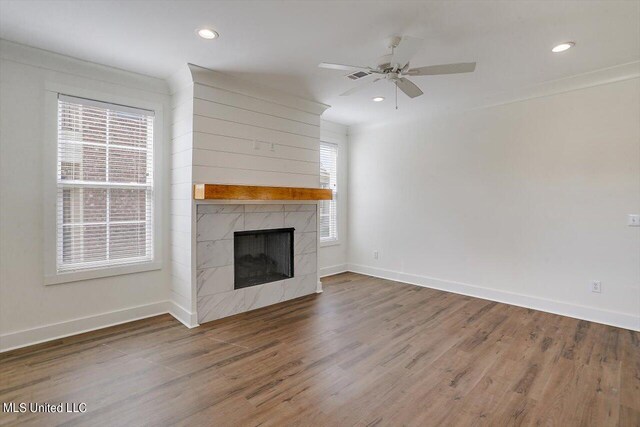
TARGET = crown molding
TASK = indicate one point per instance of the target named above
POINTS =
(51, 61)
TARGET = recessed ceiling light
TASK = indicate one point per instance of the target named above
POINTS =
(563, 46)
(207, 33)
(378, 99)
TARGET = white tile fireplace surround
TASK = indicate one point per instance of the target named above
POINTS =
(216, 224)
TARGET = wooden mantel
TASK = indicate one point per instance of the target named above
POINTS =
(253, 192)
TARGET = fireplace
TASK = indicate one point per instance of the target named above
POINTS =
(246, 253)
(262, 256)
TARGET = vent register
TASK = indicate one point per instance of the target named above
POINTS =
(358, 75)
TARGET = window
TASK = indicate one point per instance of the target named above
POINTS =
(329, 179)
(104, 199)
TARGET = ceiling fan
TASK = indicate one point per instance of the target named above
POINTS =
(394, 67)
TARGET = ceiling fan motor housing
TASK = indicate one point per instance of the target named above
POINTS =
(394, 41)
(384, 62)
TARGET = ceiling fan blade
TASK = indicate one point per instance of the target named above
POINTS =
(434, 70)
(403, 53)
(342, 66)
(359, 88)
(408, 87)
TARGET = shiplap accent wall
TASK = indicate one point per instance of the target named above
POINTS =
(242, 139)
(181, 211)
(229, 131)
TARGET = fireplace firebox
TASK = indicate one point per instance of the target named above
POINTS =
(262, 256)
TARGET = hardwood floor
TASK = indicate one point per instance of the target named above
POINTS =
(365, 352)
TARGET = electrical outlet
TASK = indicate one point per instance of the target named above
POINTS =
(375, 254)
(596, 286)
(633, 220)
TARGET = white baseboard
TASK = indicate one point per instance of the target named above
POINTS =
(333, 269)
(27, 337)
(187, 318)
(622, 320)
(50, 332)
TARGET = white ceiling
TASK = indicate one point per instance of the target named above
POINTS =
(280, 43)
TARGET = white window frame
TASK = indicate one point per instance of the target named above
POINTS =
(50, 159)
(336, 240)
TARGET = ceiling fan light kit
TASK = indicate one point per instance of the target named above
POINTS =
(395, 68)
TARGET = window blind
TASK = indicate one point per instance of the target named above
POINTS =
(329, 179)
(104, 185)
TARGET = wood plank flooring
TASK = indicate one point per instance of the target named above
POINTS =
(365, 352)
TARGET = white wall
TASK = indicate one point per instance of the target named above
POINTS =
(29, 310)
(524, 202)
(333, 256)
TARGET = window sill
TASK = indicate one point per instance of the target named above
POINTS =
(327, 243)
(75, 276)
